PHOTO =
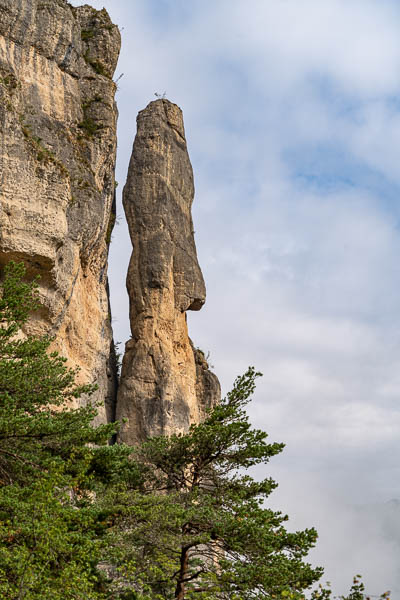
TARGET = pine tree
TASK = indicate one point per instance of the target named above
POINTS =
(52, 460)
(199, 527)
(177, 517)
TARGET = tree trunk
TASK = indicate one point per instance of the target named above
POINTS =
(180, 586)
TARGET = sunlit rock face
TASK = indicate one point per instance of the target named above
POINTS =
(57, 211)
(165, 382)
(57, 158)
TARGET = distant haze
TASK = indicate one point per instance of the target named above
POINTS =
(292, 117)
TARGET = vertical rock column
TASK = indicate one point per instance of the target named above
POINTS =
(165, 382)
(57, 159)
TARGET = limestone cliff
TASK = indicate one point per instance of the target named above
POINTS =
(57, 210)
(57, 157)
(165, 382)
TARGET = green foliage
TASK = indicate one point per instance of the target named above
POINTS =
(96, 65)
(97, 26)
(9, 81)
(197, 526)
(356, 592)
(48, 547)
(89, 125)
(177, 517)
(42, 153)
(52, 463)
(99, 67)
(111, 224)
(87, 34)
(37, 427)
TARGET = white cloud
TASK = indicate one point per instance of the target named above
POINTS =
(353, 539)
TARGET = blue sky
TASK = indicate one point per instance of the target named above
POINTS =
(292, 116)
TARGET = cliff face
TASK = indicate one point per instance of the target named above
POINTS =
(165, 382)
(57, 157)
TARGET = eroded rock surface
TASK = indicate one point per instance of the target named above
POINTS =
(165, 382)
(57, 158)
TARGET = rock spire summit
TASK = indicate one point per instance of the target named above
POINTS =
(165, 382)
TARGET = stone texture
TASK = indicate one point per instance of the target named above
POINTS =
(57, 158)
(165, 383)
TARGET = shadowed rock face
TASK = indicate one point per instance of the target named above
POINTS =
(57, 158)
(165, 383)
